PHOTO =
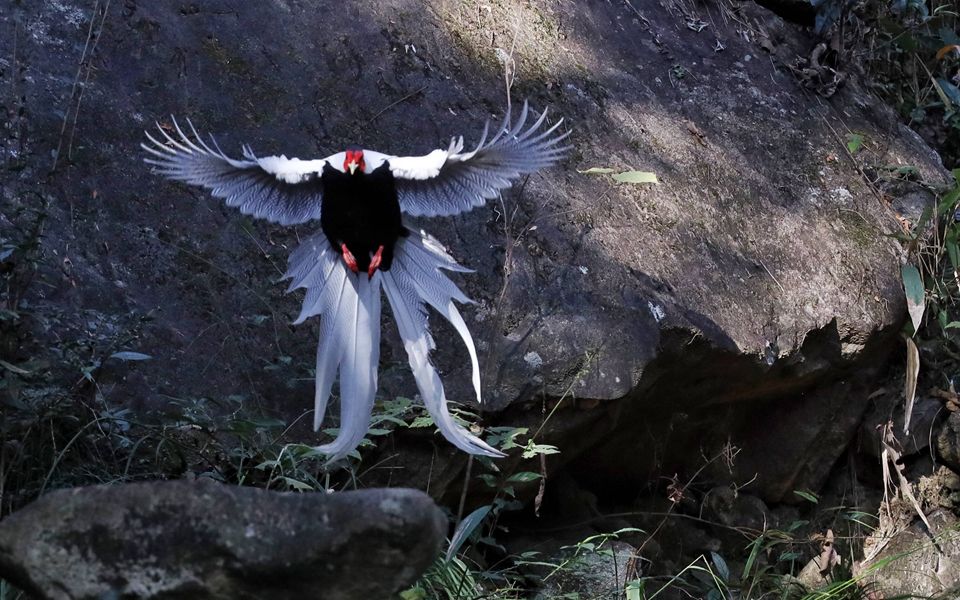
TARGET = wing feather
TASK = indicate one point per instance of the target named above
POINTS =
(276, 188)
(447, 182)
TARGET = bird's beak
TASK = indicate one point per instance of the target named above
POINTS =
(352, 166)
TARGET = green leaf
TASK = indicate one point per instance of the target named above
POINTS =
(523, 477)
(755, 547)
(789, 556)
(421, 421)
(505, 438)
(948, 201)
(636, 177)
(953, 249)
(414, 593)
(297, 484)
(13, 368)
(854, 141)
(795, 525)
(532, 449)
(489, 479)
(907, 42)
(375, 431)
(130, 356)
(913, 288)
(948, 36)
(722, 569)
(807, 495)
(949, 92)
(467, 526)
(597, 171)
(635, 590)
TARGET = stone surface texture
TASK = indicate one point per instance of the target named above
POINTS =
(206, 540)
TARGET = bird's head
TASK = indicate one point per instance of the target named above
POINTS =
(354, 161)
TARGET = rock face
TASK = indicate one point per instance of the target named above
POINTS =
(727, 305)
(915, 562)
(207, 540)
(948, 441)
(600, 574)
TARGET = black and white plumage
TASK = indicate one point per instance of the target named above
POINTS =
(364, 246)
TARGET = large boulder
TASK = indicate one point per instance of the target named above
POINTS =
(724, 308)
(915, 561)
(207, 540)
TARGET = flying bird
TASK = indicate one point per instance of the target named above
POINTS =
(364, 245)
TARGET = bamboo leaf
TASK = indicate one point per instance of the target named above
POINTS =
(910, 384)
(597, 171)
(130, 356)
(913, 287)
(13, 368)
(467, 526)
(722, 569)
(523, 477)
(636, 177)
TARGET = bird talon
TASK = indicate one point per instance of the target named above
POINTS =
(375, 262)
(349, 259)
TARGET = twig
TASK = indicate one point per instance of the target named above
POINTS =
(392, 104)
(463, 493)
(638, 13)
(88, 50)
(771, 276)
(856, 164)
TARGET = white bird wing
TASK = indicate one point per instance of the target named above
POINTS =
(448, 182)
(276, 188)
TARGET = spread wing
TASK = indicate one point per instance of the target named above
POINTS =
(447, 182)
(276, 188)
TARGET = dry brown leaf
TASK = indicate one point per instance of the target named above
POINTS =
(910, 385)
(543, 485)
(943, 52)
(893, 455)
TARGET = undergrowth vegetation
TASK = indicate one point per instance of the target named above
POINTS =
(910, 50)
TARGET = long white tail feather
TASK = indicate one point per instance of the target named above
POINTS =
(349, 307)
(438, 291)
(329, 346)
(423, 241)
(358, 325)
(310, 264)
(428, 382)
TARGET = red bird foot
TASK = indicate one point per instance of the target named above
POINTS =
(375, 262)
(349, 259)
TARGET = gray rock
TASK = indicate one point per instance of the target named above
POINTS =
(916, 563)
(207, 540)
(600, 574)
(948, 441)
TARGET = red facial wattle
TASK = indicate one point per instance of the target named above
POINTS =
(353, 158)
